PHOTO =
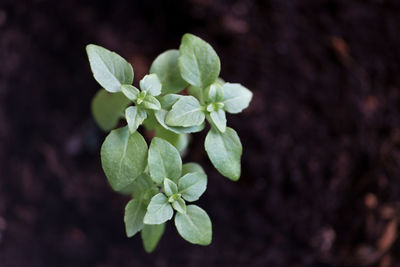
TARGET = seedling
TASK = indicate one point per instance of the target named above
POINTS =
(160, 185)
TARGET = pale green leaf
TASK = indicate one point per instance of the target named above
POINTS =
(214, 93)
(109, 69)
(170, 187)
(236, 97)
(151, 235)
(130, 91)
(151, 84)
(224, 151)
(159, 210)
(179, 205)
(123, 157)
(134, 214)
(198, 62)
(166, 68)
(108, 108)
(151, 102)
(191, 167)
(192, 185)
(160, 116)
(194, 226)
(195, 91)
(169, 100)
(135, 117)
(186, 112)
(218, 118)
(164, 161)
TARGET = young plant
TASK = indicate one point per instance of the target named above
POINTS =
(160, 185)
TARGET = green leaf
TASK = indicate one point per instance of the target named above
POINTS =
(218, 118)
(123, 157)
(186, 112)
(130, 91)
(194, 226)
(135, 117)
(164, 161)
(236, 97)
(159, 210)
(191, 167)
(108, 108)
(180, 141)
(179, 205)
(215, 93)
(170, 187)
(151, 102)
(109, 69)
(169, 100)
(151, 83)
(198, 62)
(160, 116)
(134, 214)
(224, 151)
(151, 235)
(192, 185)
(166, 68)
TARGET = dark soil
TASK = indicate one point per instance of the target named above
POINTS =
(321, 177)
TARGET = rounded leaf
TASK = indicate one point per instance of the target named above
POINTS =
(166, 68)
(159, 210)
(135, 117)
(134, 214)
(151, 83)
(194, 226)
(236, 97)
(109, 69)
(192, 185)
(108, 108)
(192, 167)
(123, 157)
(160, 116)
(198, 62)
(186, 112)
(164, 161)
(224, 151)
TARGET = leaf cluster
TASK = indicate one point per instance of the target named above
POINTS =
(162, 186)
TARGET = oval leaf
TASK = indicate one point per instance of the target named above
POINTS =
(164, 161)
(134, 214)
(186, 112)
(218, 118)
(160, 116)
(166, 68)
(224, 151)
(123, 157)
(170, 187)
(151, 235)
(159, 210)
(192, 185)
(151, 83)
(108, 108)
(134, 117)
(236, 97)
(198, 62)
(179, 205)
(109, 69)
(194, 226)
(151, 102)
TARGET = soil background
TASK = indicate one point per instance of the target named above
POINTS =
(321, 178)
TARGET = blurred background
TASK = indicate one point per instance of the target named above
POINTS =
(321, 178)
